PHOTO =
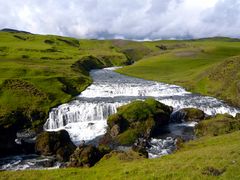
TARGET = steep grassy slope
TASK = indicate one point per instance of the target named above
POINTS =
(207, 66)
(206, 158)
(38, 72)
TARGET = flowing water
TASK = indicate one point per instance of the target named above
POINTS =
(85, 118)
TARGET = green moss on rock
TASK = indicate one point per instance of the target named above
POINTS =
(137, 119)
(193, 114)
(220, 124)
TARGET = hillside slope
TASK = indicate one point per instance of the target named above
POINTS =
(40, 72)
(207, 66)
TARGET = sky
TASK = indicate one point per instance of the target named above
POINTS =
(124, 19)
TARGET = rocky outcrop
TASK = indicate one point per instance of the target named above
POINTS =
(141, 146)
(55, 143)
(85, 156)
(137, 119)
(188, 114)
(217, 125)
(10, 124)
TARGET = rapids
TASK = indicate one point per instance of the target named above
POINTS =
(85, 117)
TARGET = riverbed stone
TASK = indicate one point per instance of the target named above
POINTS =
(139, 119)
(85, 156)
(55, 143)
(141, 146)
(188, 115)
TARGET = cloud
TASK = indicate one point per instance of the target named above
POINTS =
(135, 19)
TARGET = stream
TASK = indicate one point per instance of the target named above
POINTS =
(85, 118)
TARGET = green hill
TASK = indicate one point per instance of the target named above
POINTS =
(206, 66)
(39, 72)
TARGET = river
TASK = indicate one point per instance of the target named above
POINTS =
(85, 118)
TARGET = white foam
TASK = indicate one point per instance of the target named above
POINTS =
(161, 147)
(85, 118)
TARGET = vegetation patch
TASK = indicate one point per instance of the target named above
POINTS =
(209, 66)
(220, 124)
(71, 42)
(200, 159)
(211, 171)
(135, 120)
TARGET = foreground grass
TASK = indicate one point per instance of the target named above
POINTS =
(206, 158)
(210, 67)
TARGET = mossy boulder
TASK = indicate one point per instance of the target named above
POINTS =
(220, 124)
(55, 143)
(188, 115)
(137, 119)
(85, 156)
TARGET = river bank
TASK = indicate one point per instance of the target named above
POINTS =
(85, 118)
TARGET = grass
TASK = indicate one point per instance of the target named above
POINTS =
(45, 64)
(210, 66)
(37, 73)
(205, 158)
(220, 124)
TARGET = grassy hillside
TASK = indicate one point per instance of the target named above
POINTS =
(39, 72)
(207, 66)
(205, 158)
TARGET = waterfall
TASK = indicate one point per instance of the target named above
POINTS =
(80, 112)
(85, 118)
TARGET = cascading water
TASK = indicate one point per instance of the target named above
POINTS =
(85, 117)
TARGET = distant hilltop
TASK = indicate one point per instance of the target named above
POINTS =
(14, 30)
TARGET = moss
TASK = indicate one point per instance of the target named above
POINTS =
(114, 119)
(135, 111)
(192, 114)
(128, 137)
(137, 119)
(220, 124)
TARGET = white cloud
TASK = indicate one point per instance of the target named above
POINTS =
(135, 19)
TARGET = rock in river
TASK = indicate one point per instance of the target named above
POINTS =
(55, 143)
